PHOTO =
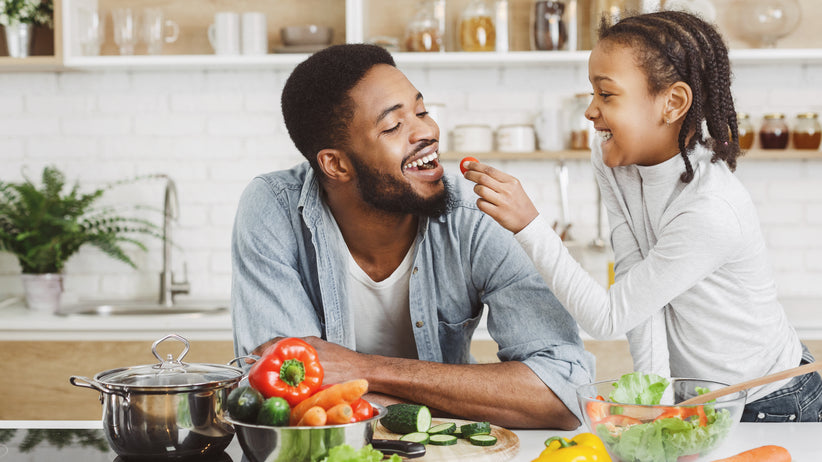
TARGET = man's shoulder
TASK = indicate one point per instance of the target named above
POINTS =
(290, 178)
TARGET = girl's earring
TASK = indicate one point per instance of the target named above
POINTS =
(668, 122)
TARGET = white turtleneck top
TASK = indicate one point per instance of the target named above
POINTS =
(694, 292)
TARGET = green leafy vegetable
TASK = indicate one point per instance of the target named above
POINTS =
(346, 453)
(665, 440)
(639, 388)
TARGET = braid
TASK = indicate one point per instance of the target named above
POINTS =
(673, 46)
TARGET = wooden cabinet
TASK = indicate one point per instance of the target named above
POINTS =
(35, 384)
(47, 48)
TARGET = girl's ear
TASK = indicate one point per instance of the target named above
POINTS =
(334, 163)
(678, 103)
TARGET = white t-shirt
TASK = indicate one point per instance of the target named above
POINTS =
(694, 290)
(381, 310)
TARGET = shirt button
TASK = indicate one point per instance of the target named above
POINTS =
(415, 270)
(420, 323)
(761, 415)
(792, 417)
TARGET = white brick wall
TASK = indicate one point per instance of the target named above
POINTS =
(212, 131)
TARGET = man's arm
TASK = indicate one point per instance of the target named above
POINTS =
(508, 394)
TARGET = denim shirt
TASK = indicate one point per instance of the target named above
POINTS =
(289, 274)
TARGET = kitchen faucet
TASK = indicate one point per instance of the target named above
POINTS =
(171, 211)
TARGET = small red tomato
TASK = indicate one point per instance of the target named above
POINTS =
(362, 410)
(464, 160)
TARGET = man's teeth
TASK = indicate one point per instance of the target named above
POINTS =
(604, 136)
(420, 162)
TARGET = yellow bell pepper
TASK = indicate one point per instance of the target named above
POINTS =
(585, 447)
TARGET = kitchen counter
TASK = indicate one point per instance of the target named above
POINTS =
(801, 439)
(19, 323)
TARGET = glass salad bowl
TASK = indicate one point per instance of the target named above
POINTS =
(658, 432)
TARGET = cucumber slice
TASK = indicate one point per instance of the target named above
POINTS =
(416, 437)
(482, 440)
(442, 440)
(447, 428)
(475, 428)
(407, 418)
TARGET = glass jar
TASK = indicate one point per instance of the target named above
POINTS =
(612, 11)
(476, 30)
(745, 130)
(423, 31)
(580, 128)
(807, 132)
(773, 134)
(548, 31)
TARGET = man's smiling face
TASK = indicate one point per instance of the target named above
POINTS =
(393, 145)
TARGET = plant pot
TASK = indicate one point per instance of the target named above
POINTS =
(43, 291)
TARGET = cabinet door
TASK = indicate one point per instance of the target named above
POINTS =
(35, 384)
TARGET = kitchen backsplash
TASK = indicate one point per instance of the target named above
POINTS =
(212, 131)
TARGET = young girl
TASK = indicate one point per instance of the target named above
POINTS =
(693, 291)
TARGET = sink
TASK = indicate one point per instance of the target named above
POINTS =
(145, 308)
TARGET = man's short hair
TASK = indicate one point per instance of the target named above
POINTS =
(315, 101)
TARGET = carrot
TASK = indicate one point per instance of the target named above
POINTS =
(313, 417)
(340, 414)
(769, 453)
(346, 392)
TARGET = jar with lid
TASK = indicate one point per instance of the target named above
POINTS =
(476, 27)
(548, 31)
(807, 132)
(611, 11)
(773, 134)
(422, 33)
(745, 130)
(580, 128)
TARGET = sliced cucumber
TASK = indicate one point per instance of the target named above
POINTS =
(442, 440)
(447, 428)
(482, 440)
(416, 437)
(407, 418)
(475, 428)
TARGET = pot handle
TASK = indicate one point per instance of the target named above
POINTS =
(255, 358)
(85, 382)
(170, 358)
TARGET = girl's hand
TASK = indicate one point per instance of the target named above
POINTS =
(500, 196)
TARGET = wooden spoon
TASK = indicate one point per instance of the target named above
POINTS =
(786, 374)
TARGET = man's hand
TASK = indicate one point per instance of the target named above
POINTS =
(500, 196)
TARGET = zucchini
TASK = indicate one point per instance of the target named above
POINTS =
(475, 428)
(447, 428)
(416, 437)
(482, 440)
(407, 418)
(442, 440)
(244, 403)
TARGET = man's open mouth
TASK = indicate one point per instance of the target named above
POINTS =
(423, 163)
(604, 135)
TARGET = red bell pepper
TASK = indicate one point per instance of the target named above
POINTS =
(289, 369)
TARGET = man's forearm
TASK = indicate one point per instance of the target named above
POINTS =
(508, 394)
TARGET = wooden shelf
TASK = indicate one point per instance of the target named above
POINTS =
(753, 154)
(30, 64)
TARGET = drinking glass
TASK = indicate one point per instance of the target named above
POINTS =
(90, 31)
(157, 30)
(125, 29)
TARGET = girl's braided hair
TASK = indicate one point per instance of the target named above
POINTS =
(673, 46)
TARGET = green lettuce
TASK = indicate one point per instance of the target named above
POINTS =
(639, 388)
(665, 440)
(346, 453)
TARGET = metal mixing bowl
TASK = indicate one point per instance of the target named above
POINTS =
(263, 443)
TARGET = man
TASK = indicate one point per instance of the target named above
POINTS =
(384, 265)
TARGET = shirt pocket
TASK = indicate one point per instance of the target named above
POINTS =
(455, 340)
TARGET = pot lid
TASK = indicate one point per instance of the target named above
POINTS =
(170, 372)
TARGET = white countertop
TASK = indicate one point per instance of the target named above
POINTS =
(19, 323)
(800, 439)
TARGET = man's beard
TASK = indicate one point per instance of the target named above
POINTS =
(384, 192)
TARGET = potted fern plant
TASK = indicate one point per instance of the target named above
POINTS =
(44, 226)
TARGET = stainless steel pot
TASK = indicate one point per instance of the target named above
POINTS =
(169, 410)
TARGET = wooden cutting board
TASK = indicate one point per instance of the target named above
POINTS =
(506, 448)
